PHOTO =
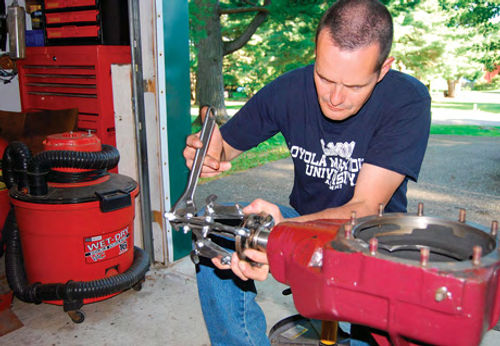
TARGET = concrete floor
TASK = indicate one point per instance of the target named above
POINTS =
(457, 172)
(165, 312)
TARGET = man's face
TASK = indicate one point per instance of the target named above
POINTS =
(345, 78)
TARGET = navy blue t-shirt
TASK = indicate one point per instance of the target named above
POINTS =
(390, 131)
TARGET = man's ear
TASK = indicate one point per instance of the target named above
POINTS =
(385, 67)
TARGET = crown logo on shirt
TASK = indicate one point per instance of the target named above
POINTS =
(344, 150)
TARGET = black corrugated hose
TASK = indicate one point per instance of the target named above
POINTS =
(26, 171)
(72, 290)
(16, 158)
(41, 163)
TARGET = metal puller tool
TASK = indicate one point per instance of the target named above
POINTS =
(228, 221)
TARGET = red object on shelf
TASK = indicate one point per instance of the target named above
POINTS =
(3, 145)
(56, 77)
(6, 300)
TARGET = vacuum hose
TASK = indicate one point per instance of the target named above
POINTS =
(72, 290)
(15, 161)
(32, 171)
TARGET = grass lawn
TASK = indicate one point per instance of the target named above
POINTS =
(236, 106)
(466, 130)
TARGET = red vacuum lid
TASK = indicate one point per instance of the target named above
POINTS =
(73, 141)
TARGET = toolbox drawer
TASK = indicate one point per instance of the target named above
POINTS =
(44, 100)
(85, 22)
(59, 4)
(71, 17)
(73, 31)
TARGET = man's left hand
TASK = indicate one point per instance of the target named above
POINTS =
(243, 269)
(260, 206)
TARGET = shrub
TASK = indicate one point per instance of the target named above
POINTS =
(493, 85)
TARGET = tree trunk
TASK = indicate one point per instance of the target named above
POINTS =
(209, 77)
(452, 83)
(211, 49)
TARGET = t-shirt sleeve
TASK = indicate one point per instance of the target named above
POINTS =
(401, 138)
(255, 122)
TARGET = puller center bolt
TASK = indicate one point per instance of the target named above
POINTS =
(381, 210)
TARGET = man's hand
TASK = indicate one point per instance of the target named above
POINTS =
(260, 206)
(243, 269)
(213, 164)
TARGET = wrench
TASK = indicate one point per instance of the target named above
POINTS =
(220, 220)
(185, 206)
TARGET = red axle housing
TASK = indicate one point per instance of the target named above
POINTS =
(333, 277)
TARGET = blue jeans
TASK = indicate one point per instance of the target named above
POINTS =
(232, 315)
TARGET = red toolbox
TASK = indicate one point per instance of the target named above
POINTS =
(84, 22)
(60, 78)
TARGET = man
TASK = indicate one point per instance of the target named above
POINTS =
(356, 130)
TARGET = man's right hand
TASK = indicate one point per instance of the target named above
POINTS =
(214, 163)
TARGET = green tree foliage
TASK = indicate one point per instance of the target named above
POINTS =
(449, 39)
(432, 41)
(417, 47)
(426, 47)
(482, 16)
(284, 42)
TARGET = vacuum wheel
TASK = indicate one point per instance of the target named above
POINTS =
(77, 316)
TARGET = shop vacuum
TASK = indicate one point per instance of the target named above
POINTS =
(69, 235)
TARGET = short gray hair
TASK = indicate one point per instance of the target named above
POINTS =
(354, 24)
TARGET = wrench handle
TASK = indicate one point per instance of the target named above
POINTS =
(199, 157)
